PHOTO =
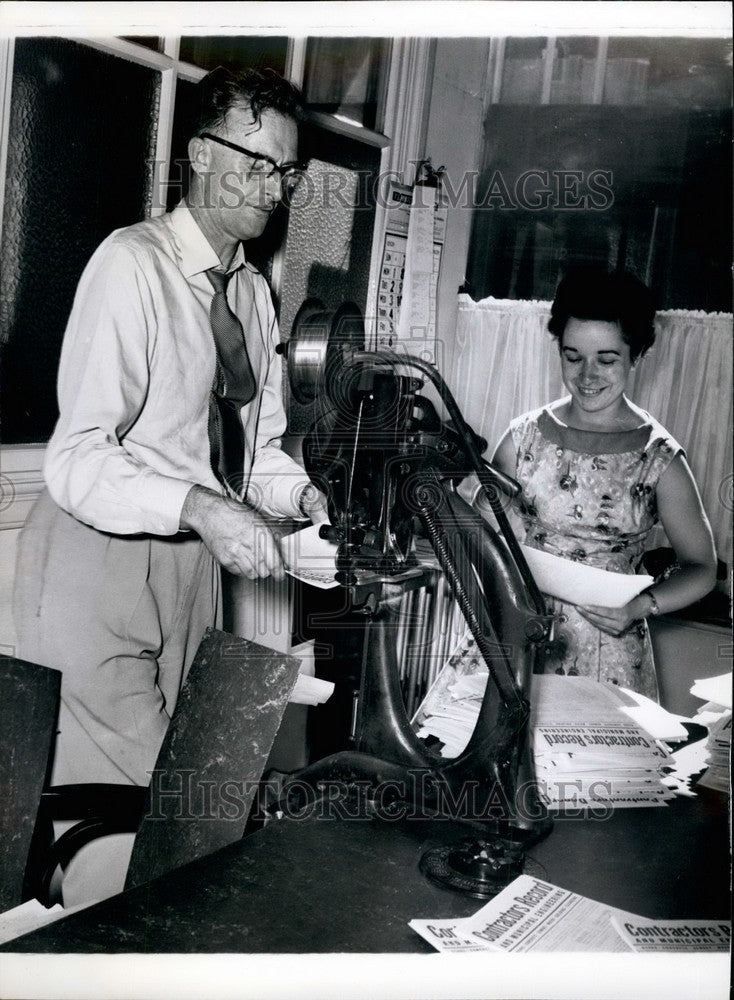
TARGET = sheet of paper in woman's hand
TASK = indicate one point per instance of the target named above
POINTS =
(585, 585)
(309, 557)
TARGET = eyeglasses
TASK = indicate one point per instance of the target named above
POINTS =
(288, 173)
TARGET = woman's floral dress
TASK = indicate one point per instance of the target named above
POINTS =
(590, 496)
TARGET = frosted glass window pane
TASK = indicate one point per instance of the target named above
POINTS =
(329, 241)
(80, 159)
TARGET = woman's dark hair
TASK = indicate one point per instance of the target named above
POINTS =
(617, 297)
(260, 90)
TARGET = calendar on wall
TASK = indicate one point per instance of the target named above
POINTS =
(415, 232)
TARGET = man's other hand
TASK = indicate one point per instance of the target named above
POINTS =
(235, 534)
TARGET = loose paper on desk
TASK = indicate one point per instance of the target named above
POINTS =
(311, 690)
(585, 585)
(529, 915)
(654, 719)
(685, 764)
(717, 689)
(32, 915)
(309, 557)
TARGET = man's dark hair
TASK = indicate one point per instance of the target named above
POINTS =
(260, 90)
(592, 292)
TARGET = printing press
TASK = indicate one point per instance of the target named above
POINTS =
(390, 465)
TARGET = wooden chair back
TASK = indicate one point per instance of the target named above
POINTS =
(29, 703)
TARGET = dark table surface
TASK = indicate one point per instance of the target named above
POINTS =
(335, 884)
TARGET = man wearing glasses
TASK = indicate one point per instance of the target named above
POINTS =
(166, 452)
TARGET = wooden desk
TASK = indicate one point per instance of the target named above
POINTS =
(345, 885)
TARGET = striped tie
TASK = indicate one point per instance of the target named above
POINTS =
(234, 385)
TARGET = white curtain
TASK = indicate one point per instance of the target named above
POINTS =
(505, 362)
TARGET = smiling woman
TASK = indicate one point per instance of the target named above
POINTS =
(597, 473)
(595, 364)
(604, 325)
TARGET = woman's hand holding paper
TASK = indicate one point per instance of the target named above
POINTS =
(614, 621)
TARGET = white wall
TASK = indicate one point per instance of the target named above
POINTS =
(21, 481)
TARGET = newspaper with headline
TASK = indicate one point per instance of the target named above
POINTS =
(643, 935)
(529, 915)
(533, 915)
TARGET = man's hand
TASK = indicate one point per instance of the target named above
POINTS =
(235, 534)
(313, 504)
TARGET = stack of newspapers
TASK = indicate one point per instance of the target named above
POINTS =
(594, 744)
(716, 716)
(719, 750)
(589, 751)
